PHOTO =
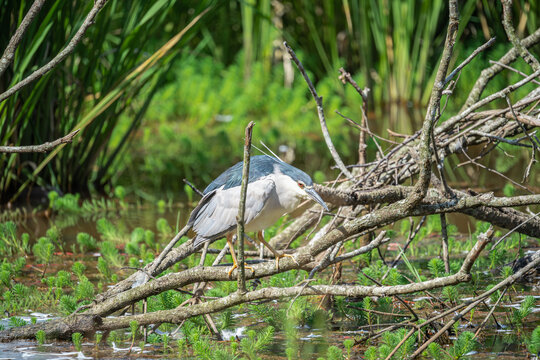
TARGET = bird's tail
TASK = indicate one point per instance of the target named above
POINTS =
(198, 241)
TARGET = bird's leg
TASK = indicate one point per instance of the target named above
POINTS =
(233, 254)
(276, 253)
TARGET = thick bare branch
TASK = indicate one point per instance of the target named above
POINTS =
(434, 109)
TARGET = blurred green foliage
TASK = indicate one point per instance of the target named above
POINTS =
(216, 81)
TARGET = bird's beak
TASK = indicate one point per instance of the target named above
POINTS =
(313, 194)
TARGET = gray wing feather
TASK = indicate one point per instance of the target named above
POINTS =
(216, 213)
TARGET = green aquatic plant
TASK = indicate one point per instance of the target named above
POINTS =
(84, 289)
(43, 250)
(189, 193)
(137, 235)
(10, 269)
(150, 240)
(98, 338)
(226, 319)
(104, 268)
(348, 344)
(181, 346)
(108, 231)
(78, 269)
(110, 253)
(434, 350)
(451, 294)
(334, 353)
(255, 342)
(40, 337)
(133, 327)
(68, 204)
(464, 344)
(533, 342)
(67, 304)
(10, 244)
(120, 193)
(15, 321)
(86, 242)
(525, 309)
(436, 267)
(165, 340)
(77, 339)
(163, 228)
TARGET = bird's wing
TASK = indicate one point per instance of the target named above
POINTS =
(216, 213)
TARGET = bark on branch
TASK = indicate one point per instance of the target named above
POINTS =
(43, 148)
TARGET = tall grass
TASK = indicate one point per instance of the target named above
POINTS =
(89, 90)
(392, 46)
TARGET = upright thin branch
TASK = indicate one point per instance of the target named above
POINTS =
(43, 148)
(346, 77)
(320, 112)
(89, 21)
(242, 209)
(9, 52)
(434, 107)
(444, 235)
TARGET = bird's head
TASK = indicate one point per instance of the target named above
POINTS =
(307, 190)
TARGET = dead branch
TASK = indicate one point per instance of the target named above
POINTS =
(489, 73)
(9, 52)
(320, 112)
(43, 148)
(242, 209)
(434, 109)
(89, 21)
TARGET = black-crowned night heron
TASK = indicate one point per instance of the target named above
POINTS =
(275, 188)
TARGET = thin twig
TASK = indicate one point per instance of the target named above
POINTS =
(48, 146)
(481, 326)
(444, 233)
(469, 59)
(513, 69)
(199, 192)
(412, 235)
(346, 77)
(320, 112)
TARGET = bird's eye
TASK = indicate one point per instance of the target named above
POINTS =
(301, 184)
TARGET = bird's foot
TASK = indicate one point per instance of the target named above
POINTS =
(235, 266)
(280, 256)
